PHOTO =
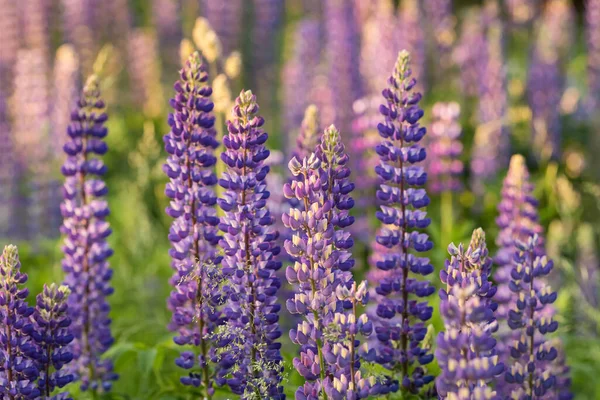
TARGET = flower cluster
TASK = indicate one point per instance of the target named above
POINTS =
(249, 351)
(530, 374)
(544, 93)
(592, 17)
(466, 349)
(18, 369)
(439, 14)
(308, 136)
(85, 248)
(413, 39)
(53, 336)
(445, 148)
(225, 17)
(469, 53)
(491, 143)
(326, 294)
(299, 73)
(194, 235)
(522, 11)
(402, 314)
(517, 220)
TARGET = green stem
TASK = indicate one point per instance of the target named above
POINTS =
(447, 216)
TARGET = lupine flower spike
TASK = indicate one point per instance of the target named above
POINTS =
(329, 359)
(249, 351)
(18, 370)
(308, 136)
(53, 336)
(402, 311)
(531, 372)
(85, 248)
(466, 349)
(194, 235)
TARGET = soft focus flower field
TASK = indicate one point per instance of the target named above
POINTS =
(198, 192)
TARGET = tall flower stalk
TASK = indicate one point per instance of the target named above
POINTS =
(402, 312)
(531, 372)
(52, 335)
(18, 369)
(466, 349)
(196, 296)
(492, 141)
(86, 251)
(445, 167)
(249, 351)
(592, 18)
(326, 294)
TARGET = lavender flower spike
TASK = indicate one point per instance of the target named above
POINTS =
(402, 315)
(466, 349)
(194, 234)
(249, 351)
(18, 370)
(52, 335)
(445, 167)
(85, 248)
(531, 372)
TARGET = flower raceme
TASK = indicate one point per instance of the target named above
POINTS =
(18, 369)
(466, 349)
(402, 315)
(249, 353)
(85, 248)
(325, 295)
(195, 298)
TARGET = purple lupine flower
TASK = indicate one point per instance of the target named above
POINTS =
(413, 39)
(401, 328)
(517, 220)
(466, 349)
(300, 72)
(544, 93)
(381, 42)
(18, 371)
(445, 147)
(530, 374)
(85, 248)
(492, 139)
(308, 136)
(250, 356)
(144, 71)
(343, 52)
(268, 19)
(9, 223)
(439, 14)
(190, 144)
(166, 17)
(53, 336)
(469, 53)
(225, 17)
(592, 18)
(320, 247)
(35, 24)
(79, 20)
(9, 42)
(31, 115)
(65, 92)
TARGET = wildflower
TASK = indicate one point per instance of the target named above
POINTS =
(466, 349)
(53, 336)
(85, 248)
(402, 314)
(194, 235)
(18, 370)
(249, 351)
